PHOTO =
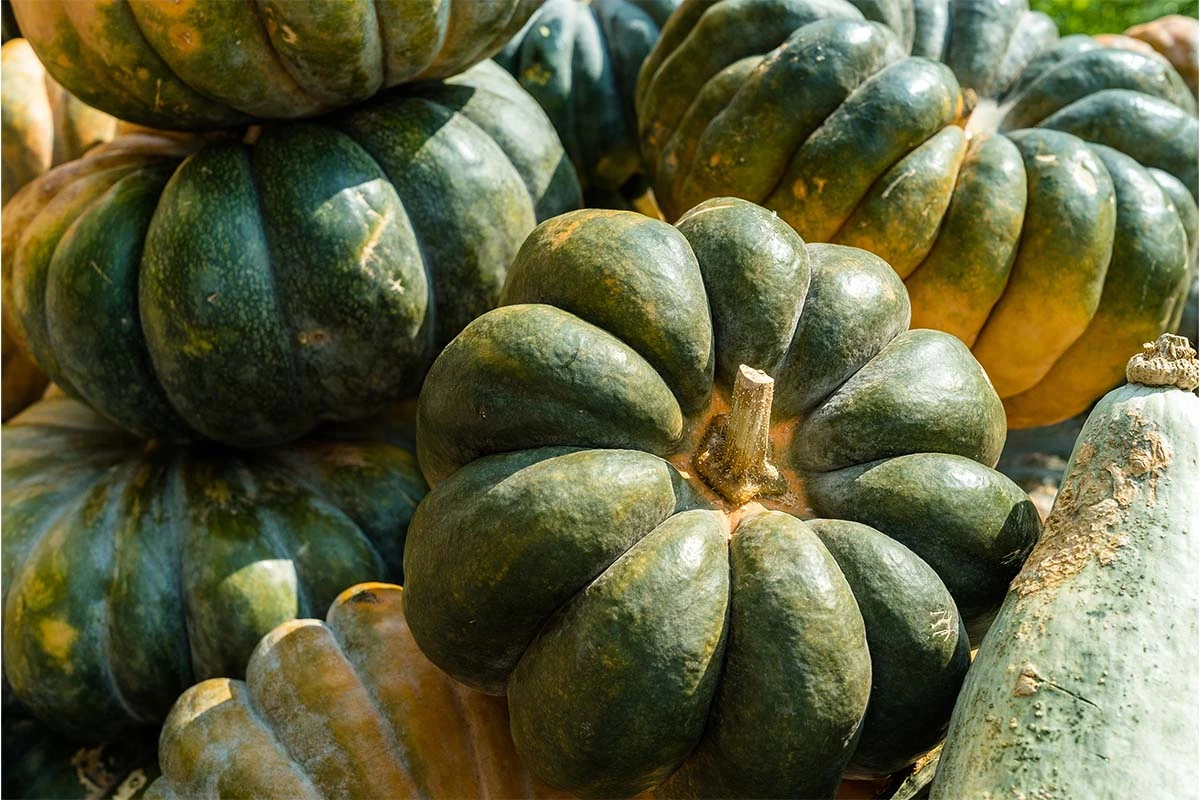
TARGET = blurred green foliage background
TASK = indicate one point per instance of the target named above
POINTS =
(1109, 16)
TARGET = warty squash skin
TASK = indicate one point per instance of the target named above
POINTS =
(254, 289)
(195, 65)
(344, 708)
(653, 625)
(1086, 684)
(133, 569)
(985, 180)
(580, 59)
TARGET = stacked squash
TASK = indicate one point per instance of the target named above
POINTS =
(711, 504)
(1035, 195)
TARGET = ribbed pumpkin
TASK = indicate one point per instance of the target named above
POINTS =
(1177, 38)
(348, 708)
(256, 288)
(1086, 686)
(132, 569)
(1051, 258)
(580, 59)
(192, 64)
(624, 560)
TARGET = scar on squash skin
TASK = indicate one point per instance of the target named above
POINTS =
(1090, 508)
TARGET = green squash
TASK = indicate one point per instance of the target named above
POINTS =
(193, 64)
(986, 180)
(1087, 681)
(639, 571)
(256, 288)
(132, 569)
(580, 59)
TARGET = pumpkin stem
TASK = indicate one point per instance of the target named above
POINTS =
(1169, 361)
(733, 457)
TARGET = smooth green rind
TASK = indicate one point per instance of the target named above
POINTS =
(217, 337)
(631, 276)
(751, 262)
(467, 202)
(895, 110)
(508, 539)
(1095, 71)
(1145, 281)
(1185, 207)
(1087, 681)
(855, 306)
(922, 393)
(931, 19)
(533, 376)
(749, 144)
(95, 327)
(897, 15)
(955, 287)
(1058, 275)
(797, 672)
(899, 218)
(345, 254)
(971, 524)
(1063, 50)
(980, 34)
(647, 639)
(1154, 132)
(1035, 32)
(497, 105)
(919, 647)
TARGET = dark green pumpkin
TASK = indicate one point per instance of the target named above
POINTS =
(647, 627)
(131, 569)
(580, 59)
(1036, 249)
(194, 64)
(255, 289)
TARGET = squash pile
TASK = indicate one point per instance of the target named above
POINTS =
(621, 417)
(1024, 188)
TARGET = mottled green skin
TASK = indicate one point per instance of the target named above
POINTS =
(646, 638)
(310, 275)
(893, 112)
(503, 556)
(900, 216)
(131, 571)
(1096, 71)
(850, 141)
(1087, 682)
(971, 524)
(1153, 131)
(1146, 277)
(194, 65)
(580, 61)
(967, 269)
(1058, 274)
(797, 673)
(919, 647)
